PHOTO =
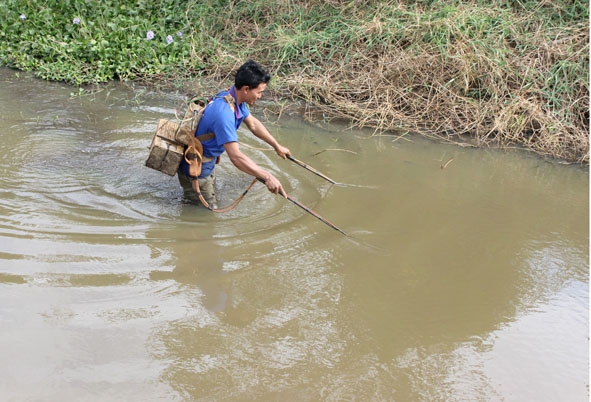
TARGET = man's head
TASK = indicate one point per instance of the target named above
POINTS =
(251, 74)
(250, 82)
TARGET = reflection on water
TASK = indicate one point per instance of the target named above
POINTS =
(468, 282)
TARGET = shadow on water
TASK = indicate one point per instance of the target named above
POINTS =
(468, 282)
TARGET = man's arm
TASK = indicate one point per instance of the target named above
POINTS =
(259, 130)
(247, 165)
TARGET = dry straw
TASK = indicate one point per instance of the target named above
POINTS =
(529, 90)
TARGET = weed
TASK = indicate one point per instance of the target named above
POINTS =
(506, 72)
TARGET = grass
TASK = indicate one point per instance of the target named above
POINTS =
(504, 73)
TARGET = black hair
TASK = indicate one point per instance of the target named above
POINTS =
(251, 74)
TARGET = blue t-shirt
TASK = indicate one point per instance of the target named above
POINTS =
(218, 118)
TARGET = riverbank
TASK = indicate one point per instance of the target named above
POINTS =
(499, 72)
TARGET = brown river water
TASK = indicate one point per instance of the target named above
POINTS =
(463, 283)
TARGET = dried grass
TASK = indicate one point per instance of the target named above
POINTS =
(501, 96)
(500, 73)
(426, 92)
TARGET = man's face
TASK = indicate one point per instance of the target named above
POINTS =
(254, 94)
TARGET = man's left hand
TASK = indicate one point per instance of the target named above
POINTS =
(282, 151)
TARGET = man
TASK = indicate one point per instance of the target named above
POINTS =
(222, 118)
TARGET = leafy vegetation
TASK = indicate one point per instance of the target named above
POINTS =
(500, 71)
(93, 41)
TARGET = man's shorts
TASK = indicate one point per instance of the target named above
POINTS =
(206, 185)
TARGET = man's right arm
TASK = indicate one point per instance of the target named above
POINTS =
(245, 164)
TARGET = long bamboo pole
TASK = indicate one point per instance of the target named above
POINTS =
(310, 168)
(310, 211)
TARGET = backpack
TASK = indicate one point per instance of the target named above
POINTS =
(176, 140)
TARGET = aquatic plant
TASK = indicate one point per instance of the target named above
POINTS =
(86, 42)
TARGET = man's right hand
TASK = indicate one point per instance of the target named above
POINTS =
(246, 164)
(274, 186)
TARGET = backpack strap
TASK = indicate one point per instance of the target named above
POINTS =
(231, 102)
(205, 137)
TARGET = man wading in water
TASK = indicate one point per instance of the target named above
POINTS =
(222, 117)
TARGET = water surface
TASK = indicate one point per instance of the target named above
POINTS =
(463, 283)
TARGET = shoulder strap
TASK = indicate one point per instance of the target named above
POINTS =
(230, 99)
(205, 137)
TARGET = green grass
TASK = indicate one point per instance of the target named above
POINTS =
(513, 72)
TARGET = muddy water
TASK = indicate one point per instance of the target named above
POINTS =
(468, 283)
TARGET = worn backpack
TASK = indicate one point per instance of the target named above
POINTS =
(175, 140)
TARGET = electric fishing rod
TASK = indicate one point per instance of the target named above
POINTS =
(310, 168)
(308, 210)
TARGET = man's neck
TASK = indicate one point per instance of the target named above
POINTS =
(238, 95)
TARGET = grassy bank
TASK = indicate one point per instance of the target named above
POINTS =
(508, 73)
